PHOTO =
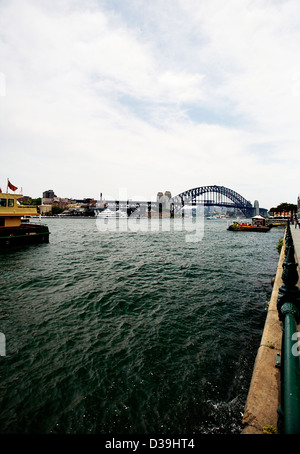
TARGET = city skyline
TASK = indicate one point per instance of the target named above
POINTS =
(123, 195)
(101, 95)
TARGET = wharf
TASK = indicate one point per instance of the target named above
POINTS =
(264, 393)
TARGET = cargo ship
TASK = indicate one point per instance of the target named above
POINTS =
(15, 231)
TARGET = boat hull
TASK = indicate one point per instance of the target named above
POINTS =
(24, 234)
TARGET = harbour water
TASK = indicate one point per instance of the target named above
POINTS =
(132, 332)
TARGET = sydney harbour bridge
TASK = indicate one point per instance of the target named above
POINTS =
(208, 196)
(219, 196)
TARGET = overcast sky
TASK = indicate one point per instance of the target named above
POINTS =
(142, 96)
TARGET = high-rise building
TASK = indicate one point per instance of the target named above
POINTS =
(48, 197)
(49, 194)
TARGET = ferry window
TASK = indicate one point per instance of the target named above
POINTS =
(2, 202)
(10, 202)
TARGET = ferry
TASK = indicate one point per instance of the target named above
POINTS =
(111, 214)
(258, 224)
(13, 226)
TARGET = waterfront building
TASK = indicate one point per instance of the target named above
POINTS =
(45, 209)
(25, 199)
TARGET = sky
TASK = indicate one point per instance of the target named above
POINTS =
(139, 96)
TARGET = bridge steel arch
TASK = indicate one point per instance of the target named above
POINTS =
(222, 197)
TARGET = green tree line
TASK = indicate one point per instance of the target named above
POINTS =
(284, 208)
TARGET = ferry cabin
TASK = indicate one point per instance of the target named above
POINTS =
(11, 212)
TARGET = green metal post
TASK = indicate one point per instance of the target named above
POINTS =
(291, 374)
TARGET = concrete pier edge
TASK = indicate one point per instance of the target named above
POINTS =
(263, 397)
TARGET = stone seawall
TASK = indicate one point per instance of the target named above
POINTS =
(264, 393)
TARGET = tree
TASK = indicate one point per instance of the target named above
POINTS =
(32, 202)
(37, 201)
(56, 210)
(284, 207)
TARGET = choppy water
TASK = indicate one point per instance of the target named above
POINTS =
(132, 332)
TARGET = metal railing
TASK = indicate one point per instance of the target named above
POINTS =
(288, 305)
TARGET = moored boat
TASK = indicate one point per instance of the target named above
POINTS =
(112, 214)
(12, 229)
(258, 224)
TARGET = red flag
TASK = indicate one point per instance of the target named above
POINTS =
(11, 186)
(0, 190)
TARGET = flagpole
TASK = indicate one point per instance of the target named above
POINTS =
(7, 186)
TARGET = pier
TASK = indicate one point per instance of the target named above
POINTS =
(263, 409)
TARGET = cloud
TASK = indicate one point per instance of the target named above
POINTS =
(151, 96)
